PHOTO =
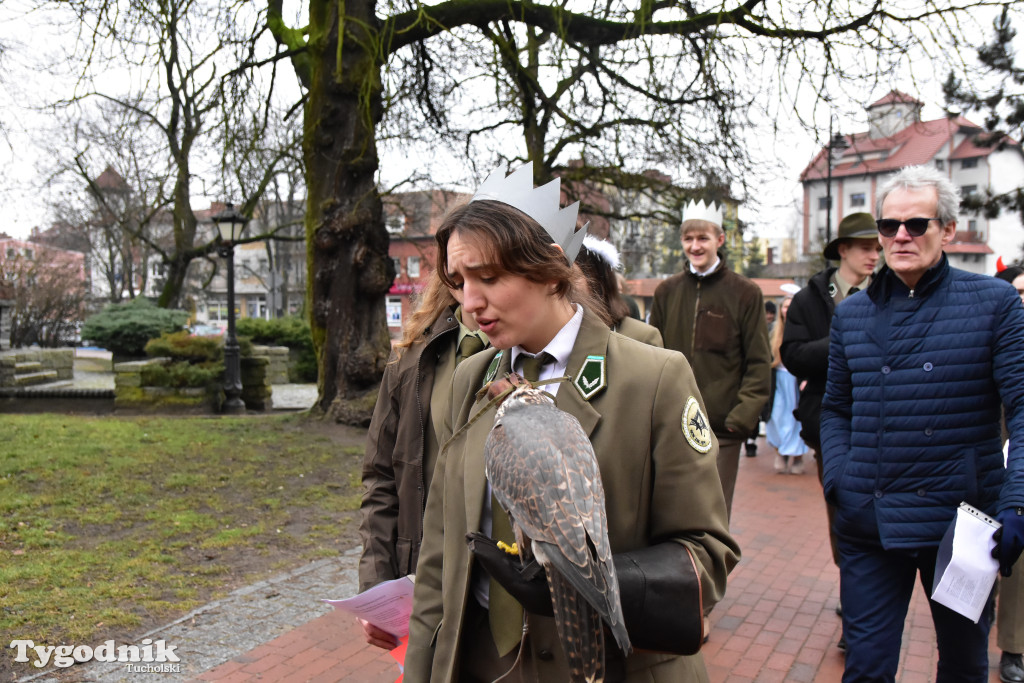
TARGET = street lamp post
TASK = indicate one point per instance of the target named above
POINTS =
(231, 225)
(836, 146)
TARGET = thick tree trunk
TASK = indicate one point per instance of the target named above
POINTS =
(350, 271)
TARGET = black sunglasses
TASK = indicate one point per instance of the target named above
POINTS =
(916, 227)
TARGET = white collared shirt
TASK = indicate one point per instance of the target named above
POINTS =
(559, 347)
(708, 271)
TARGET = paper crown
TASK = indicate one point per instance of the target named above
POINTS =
(698, 211)
(540, 204)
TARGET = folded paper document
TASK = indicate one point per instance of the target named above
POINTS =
(965, 570)
(387, 605)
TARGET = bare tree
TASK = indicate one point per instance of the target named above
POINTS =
(117, 183)
(49, 293)
(196, 79)
(627, 63)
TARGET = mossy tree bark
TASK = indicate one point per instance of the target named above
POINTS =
(350, 270)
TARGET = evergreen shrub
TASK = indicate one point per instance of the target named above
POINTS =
(125, 328)
(292, 332)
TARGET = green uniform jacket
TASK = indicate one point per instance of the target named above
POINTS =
(718, 323)
(641, 331)
(658, 488)
(396, 472)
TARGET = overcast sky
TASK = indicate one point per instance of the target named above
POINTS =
(26, 87)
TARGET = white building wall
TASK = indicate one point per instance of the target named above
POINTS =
(1005, 233)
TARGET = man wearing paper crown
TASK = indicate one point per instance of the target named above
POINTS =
(715, 317)
(510, 251)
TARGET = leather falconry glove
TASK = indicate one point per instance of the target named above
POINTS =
(659, 589)
(527, 583)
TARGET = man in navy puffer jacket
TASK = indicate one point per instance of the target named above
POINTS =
(920, 364)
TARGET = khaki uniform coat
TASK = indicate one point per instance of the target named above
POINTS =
(658, 488)
(641, 331)
(718, 322)
(395, 480)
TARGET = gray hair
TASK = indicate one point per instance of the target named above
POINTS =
(922, 178)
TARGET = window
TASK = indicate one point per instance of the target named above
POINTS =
(972, 226)
(29, 254)
(257, 308)
(823, 203)
(393, 306)
(218, 310)
(413, 266)
(398, 266)
(396, 223)
(968, 190)
(11, 252)
(857, 199)
(969, 163)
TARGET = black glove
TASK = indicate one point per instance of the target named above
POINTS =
(1009, 539)
(527, 583)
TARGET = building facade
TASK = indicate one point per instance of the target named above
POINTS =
(897, 137)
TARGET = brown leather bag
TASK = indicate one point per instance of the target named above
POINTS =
(662, 600)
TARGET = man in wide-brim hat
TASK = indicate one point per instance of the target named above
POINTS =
(809, 321)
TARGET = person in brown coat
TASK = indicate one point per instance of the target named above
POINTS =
(715, 317)
(402, 445)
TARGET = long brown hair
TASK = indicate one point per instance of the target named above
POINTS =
(777, 331)
(433, 300)
(603, 284)
(513, 243)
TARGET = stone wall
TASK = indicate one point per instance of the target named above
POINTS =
(131, 395)
(27, 367)
(277, 357)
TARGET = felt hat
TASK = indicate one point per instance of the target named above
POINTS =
(856, 226)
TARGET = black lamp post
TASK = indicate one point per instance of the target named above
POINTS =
(836, 146)
(231, 225)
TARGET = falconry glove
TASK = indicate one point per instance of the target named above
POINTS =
(660, 588)
(527, 583)
(1009, 538)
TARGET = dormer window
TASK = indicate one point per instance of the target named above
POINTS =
(396, 223)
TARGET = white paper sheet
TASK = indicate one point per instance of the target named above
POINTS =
(965, 569)
(387, 605)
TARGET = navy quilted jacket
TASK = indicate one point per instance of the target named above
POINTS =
(910, 419)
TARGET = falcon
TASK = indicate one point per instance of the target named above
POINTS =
(544, 473)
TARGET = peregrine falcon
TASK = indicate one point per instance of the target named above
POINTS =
(544, 473)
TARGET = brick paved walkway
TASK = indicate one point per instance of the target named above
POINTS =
(776, 623)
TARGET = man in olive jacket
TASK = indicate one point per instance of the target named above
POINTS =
(715, 317)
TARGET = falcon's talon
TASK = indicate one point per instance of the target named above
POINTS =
(510, 549)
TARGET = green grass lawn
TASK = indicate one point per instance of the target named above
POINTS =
(109, 525)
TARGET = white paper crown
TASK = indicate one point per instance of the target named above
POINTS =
(698, 211)
(540, 204)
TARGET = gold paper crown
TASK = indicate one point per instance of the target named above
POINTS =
(698, 211)
(540, 204)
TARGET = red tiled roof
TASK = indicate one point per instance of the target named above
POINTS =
(111, 180)
(770, 287)
(967, 248)
(895, 97)
(918, 143)
(969, 148)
